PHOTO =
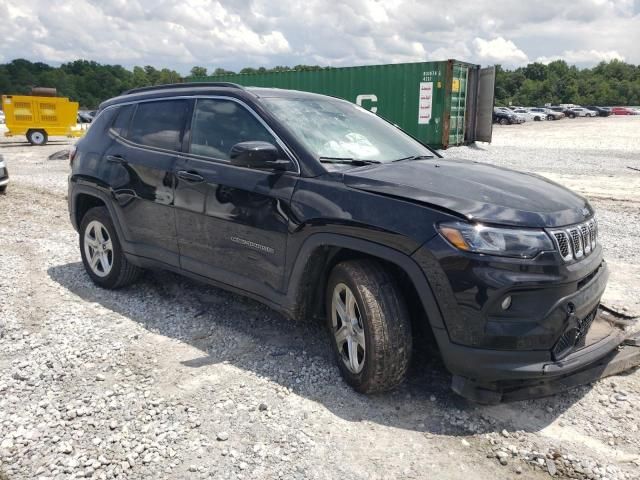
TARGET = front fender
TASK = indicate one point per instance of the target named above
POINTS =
(402, 260)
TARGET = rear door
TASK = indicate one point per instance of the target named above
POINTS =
(140, 166)
(232, 222)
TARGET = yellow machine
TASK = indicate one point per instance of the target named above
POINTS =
(40, 117)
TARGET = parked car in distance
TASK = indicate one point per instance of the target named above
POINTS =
(320, 209)
(567, 112)
(622, 111)
(508, 111)
(529, 115)
(4, 175)
(583, 112)
(84, 116)
(549, 114)
(504, 117)
(601, 111)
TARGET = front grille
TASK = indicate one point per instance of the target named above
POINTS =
(586, 241)
(577, 241)
(592, 233)
(563, 245)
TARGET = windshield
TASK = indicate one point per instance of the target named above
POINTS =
(336, 130)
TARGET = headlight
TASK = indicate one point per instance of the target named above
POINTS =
(507, 242)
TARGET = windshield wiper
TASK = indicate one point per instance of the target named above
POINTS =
(350, 161)
(414, 157)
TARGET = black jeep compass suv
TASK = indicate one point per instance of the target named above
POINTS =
(318, 207)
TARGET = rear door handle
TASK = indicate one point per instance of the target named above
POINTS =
(116, 159)
(190, 176)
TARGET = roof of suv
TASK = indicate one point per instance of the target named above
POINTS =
(215, 88)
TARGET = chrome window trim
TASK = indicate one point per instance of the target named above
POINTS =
(191, 156)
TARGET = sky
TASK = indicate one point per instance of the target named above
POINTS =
(238, 33)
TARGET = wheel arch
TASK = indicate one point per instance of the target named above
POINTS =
(321, 252)
(83, 197)
(83, 203)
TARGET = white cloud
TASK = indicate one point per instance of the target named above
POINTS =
(237, 33)
(499, 50)
(583, 56)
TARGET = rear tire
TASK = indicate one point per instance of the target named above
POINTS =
(3, 189)
(37, 137)
(102, 253)
(369, 324)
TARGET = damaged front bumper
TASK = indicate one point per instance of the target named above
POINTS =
(581, 367)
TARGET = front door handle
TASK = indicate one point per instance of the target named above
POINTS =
(190, 176)
(116, 159)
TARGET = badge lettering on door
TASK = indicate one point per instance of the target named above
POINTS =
(250, 244)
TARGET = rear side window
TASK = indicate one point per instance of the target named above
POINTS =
(122, 120)
(159, 124)
(219, 124)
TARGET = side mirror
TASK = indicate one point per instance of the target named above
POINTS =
(262, 155)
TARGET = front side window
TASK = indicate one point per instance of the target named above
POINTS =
(159, 124)
(219, 124)
(339, 130)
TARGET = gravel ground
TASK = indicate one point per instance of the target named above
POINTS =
(174, 379)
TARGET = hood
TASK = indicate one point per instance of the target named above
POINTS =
(477, 191)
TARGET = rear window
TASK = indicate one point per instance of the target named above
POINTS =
(159, 124)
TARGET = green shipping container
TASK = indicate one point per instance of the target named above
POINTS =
(443, 104)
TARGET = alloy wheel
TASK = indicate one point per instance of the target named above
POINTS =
(348, 329)
(98, 248)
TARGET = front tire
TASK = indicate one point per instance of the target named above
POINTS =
(37, 137)
(503, 121)
(369, 324)
(102, 253)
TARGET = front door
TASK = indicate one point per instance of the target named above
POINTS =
(232, 222)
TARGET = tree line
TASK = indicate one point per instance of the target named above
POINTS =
(606, 84)
(89, 83)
